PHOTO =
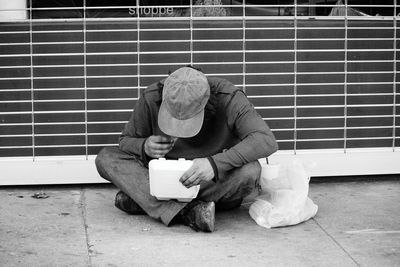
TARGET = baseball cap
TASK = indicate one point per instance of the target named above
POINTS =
(185, 94)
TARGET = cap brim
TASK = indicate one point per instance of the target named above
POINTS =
(179, 128)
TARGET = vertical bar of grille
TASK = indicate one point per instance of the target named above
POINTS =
(244, 46)
(85, 81)
(394, 72)
(295, 79)
(191, 32)
(346, 25)
(32, 79)
(138, 45)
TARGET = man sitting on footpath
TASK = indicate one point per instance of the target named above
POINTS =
(187, 115)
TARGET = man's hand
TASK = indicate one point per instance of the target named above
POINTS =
(156, 146)
(201, 171)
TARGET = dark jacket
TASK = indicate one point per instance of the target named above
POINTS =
(232, 134)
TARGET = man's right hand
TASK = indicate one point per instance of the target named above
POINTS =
(156, 146)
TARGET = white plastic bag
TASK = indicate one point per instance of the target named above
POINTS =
(284, 199)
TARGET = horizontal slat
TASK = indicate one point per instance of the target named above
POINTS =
(226, 18)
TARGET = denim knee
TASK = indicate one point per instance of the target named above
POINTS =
(102, 160)
(252, 171)
(249, 177)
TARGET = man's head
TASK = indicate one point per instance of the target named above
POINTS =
(185, 94)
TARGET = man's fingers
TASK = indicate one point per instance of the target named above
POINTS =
(160, 139)
(190, 177)
(158, 153)
(156, 147)
(189, 173)
(160, 146)
(161, 153)
(189, 182)
(196, 181)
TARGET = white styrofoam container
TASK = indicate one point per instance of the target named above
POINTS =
(164, 180)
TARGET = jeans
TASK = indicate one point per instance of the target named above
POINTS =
(129, 174)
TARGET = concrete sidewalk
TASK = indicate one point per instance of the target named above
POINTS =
(358, 224)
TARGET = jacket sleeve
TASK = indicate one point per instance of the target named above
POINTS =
(136, 130)
(257, 140)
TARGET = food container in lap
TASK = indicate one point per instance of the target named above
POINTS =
(164, 180)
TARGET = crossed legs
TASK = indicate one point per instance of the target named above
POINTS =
(130, 175)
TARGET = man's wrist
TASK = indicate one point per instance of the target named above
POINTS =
(215, 169)
(145, 158)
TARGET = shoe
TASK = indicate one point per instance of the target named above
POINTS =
(228, 205)
(199, 215)
(127, 204)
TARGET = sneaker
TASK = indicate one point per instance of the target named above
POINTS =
(228, 205)
(199, 215)
(127, 204)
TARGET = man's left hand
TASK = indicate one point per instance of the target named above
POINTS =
(201, 171)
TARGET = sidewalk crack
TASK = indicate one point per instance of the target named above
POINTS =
(336, 242)
(82, 205)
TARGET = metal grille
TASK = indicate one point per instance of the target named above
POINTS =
(322, 74)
